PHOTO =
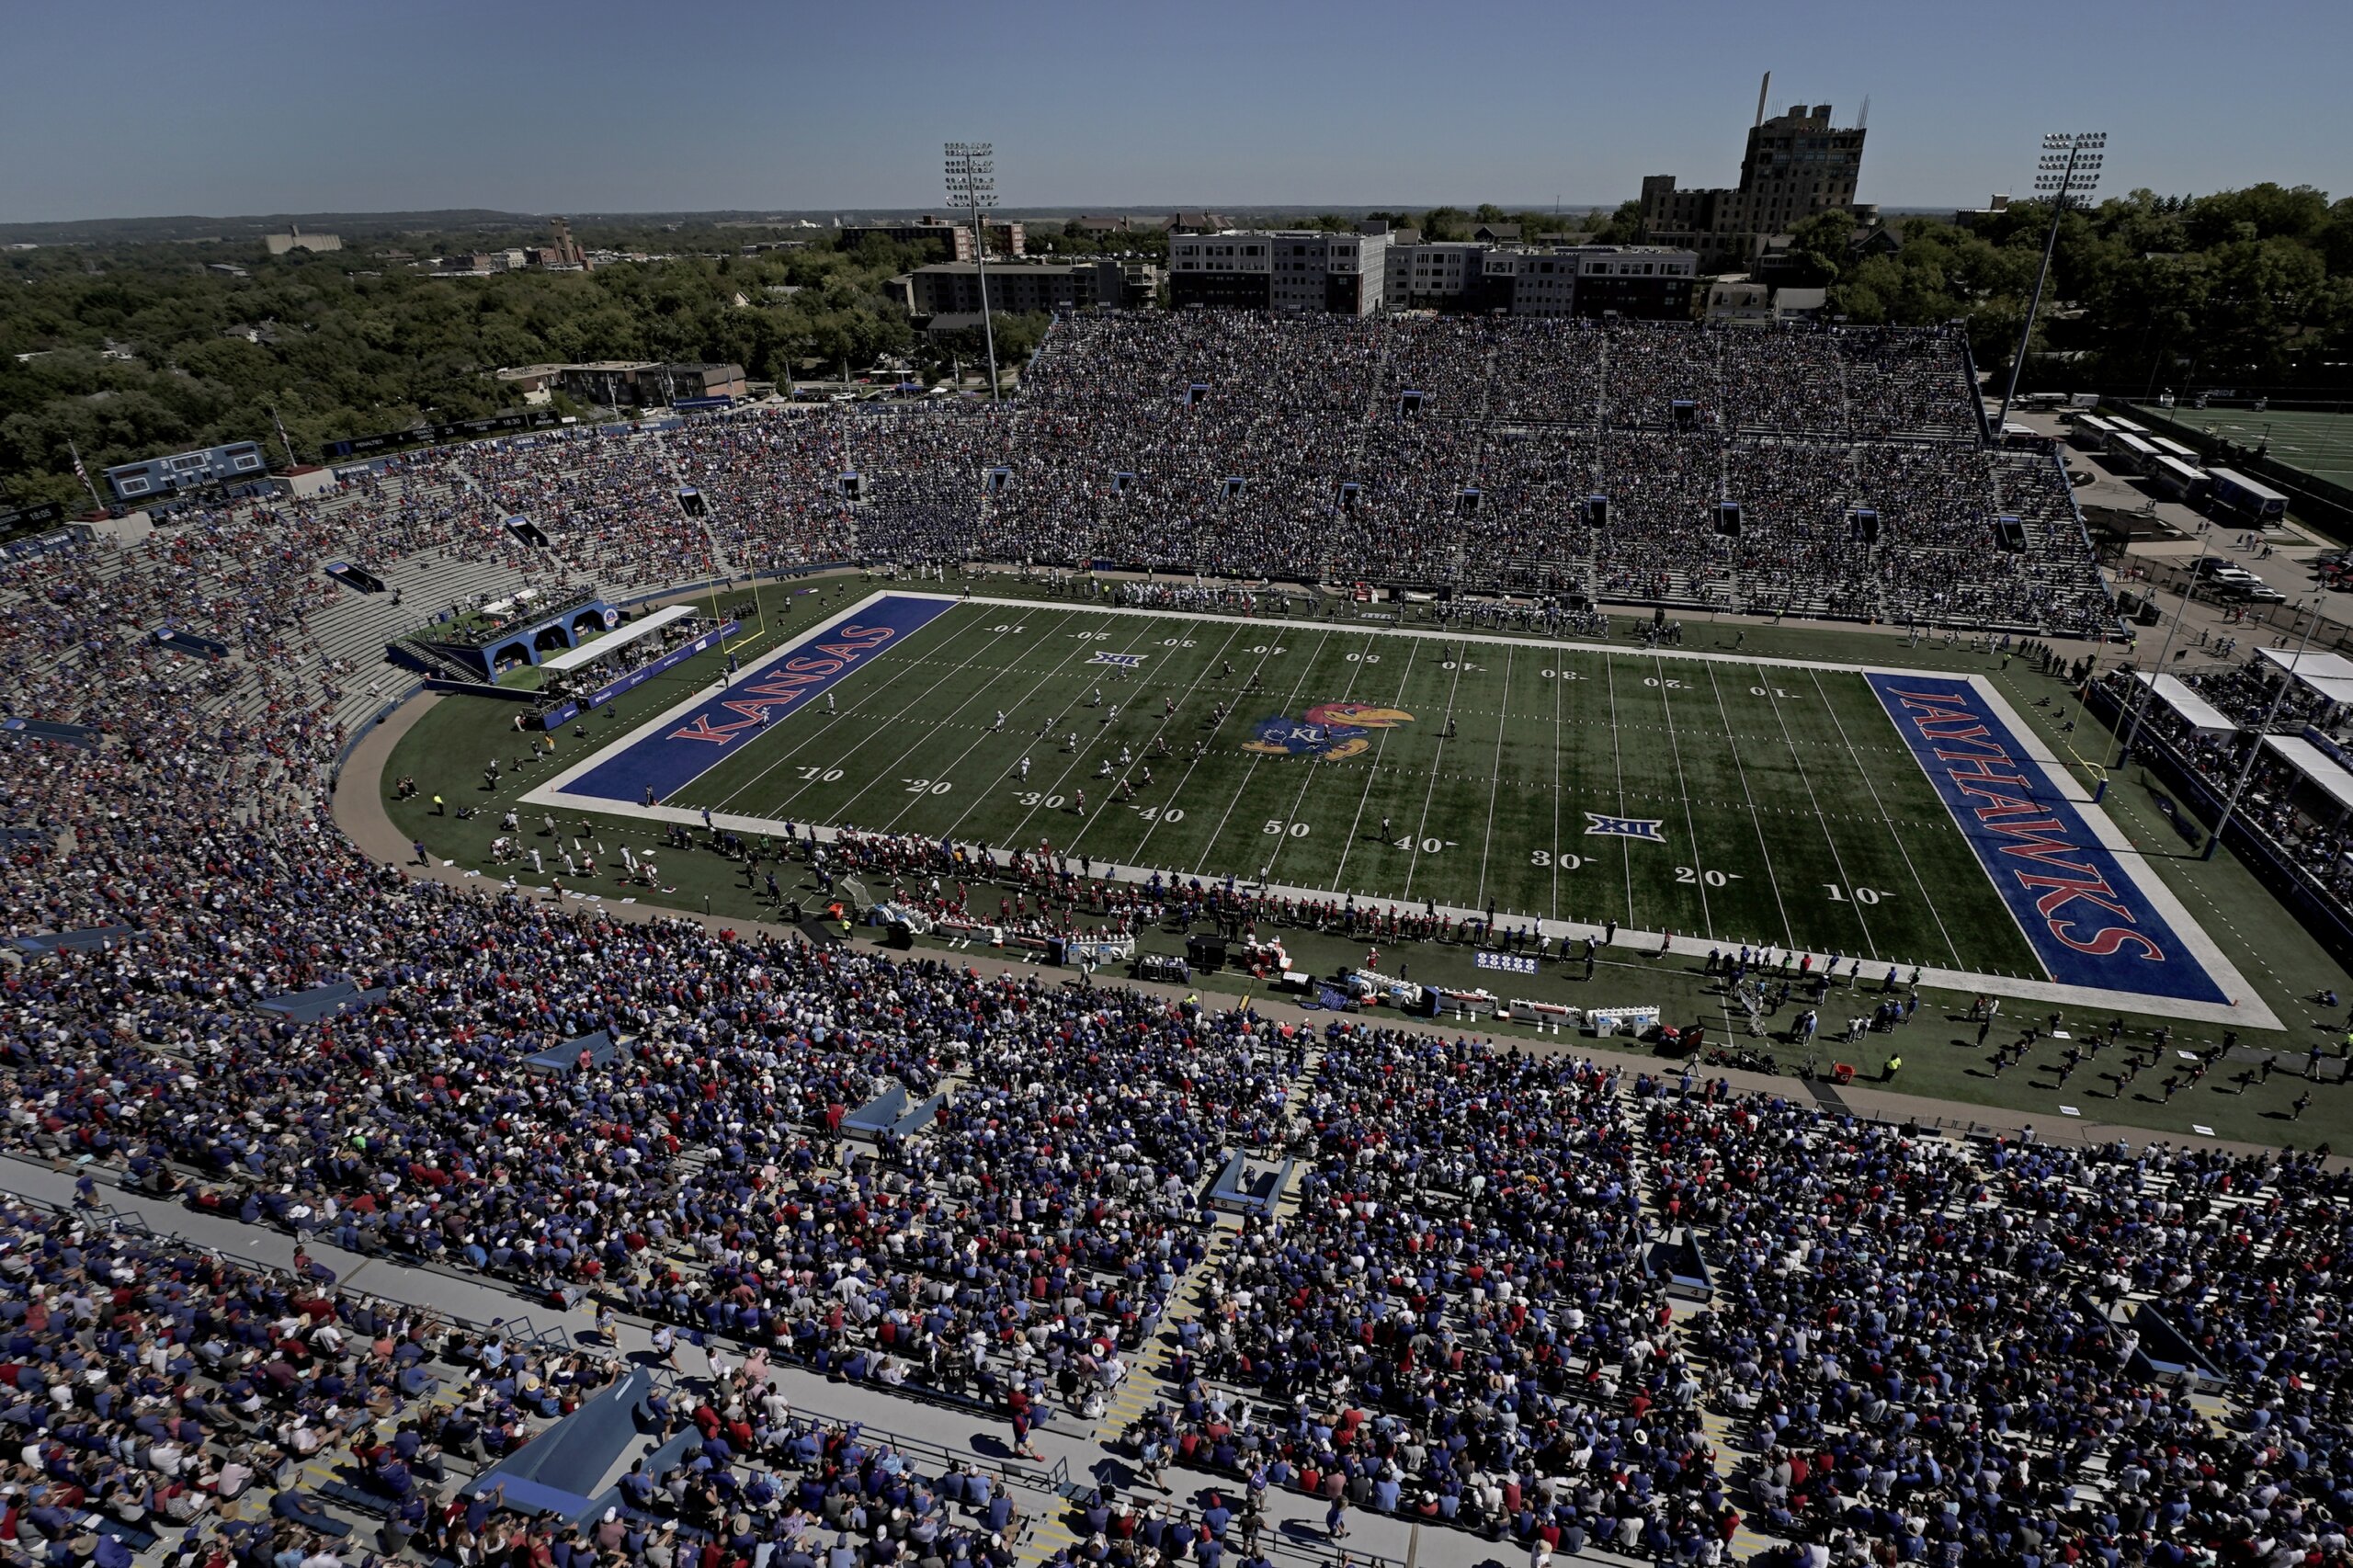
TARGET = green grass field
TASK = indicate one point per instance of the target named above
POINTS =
(2319, 443)
(1789, 811)
(449, 744)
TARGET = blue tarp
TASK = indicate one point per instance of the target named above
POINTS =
(562, 1470)
(56, 941)
(54, 730)
(880, 1113)
(601, 1048)
(320, 1001)
(918, 1118)
(187, 642)
(1684, 1264)
(2167, 1350)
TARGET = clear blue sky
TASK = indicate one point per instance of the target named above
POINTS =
(244, 106)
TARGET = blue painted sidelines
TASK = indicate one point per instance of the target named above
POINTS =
(2087, 920)
(689, 743)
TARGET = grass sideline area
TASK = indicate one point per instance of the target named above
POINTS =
(2319, 443)
(447, 747)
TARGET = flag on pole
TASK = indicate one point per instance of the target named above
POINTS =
(82, 475)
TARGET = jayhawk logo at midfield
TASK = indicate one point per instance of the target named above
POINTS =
(1332, 731)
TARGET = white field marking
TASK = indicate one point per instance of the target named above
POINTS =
(1755, 820)
(930, 728)
(1184, 706)
(1308, 778)
(1495, 789)
(864, 708)
(1306, 666)
(1372, 770)
(1910, 869)
(1209, 745)
(1160, 725)
(1077, 760)
(1683, 789)
(1422, 828)
(1617, 768)
(1559, 722)
(1837, 861)
(813, 735)
(559, 784)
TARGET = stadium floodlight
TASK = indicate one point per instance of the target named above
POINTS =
(971, 184)
(2069, 166)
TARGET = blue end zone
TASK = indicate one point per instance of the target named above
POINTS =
(2088, 921)
(690, 743)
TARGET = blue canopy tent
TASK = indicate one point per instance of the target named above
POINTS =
(1683, 1266)
(879, 1114)
(568, 1469)
(61, 941)
(320, 1001)
(565, 1057)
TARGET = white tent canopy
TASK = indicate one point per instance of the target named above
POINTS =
(2193, 709)
(2321, 770)
(573, 658)
(2328, 676)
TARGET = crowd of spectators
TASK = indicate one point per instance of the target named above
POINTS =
(1455, 1325)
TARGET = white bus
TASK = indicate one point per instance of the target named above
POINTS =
(2128, 453)
(2090, 433)
(2182, 481)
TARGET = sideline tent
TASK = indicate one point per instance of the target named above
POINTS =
(2328, 676)
(2190, 708)
(2319, 769)
(573, 658)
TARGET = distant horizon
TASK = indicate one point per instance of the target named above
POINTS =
(782, 215)
(789, 105)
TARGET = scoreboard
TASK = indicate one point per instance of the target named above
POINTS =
(186, 471)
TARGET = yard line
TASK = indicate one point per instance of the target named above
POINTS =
(1183, 702)
(1305, 666)
(1830, 836)
(854, 710)
(1494, 787)
(1373, 772)
(1755, 820)
(1307, 782)
(1699, 870)
(1421, 828)
(1864, 768)
(1178, 789)
(1078, 753)
(1560, 688)
(983, 740)
(1184, 705)
(929, 726)
(1617, 766)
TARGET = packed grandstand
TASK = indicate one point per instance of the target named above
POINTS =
(1910, 1353)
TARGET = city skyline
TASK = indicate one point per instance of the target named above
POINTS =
(737, 108)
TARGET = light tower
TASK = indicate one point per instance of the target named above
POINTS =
(971, 184)
(2071, 161)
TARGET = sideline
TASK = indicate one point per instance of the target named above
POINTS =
(2243, 1005)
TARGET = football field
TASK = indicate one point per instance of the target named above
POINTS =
(1717, 798)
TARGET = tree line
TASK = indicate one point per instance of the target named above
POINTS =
(2248, 289)
(129, 351)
